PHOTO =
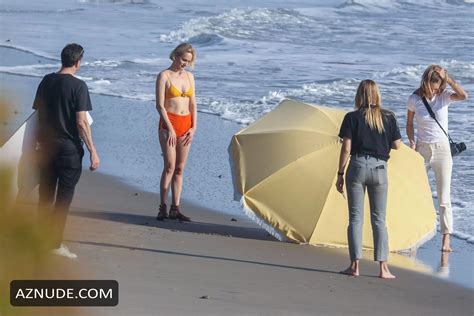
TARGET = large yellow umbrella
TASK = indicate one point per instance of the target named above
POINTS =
(284, 169)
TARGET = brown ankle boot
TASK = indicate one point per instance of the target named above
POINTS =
(176, 214)
(162, 213)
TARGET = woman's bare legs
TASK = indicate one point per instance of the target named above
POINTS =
(182, 153)
(169, 163)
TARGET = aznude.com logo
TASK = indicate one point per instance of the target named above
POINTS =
(64, 293)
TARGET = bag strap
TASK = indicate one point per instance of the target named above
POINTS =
(433, 116)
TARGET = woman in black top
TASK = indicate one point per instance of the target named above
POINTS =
(368, 134)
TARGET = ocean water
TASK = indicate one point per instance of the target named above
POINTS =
(253, 54)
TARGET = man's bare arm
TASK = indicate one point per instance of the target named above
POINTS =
(85, 133)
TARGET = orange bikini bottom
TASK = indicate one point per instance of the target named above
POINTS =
(181, 123)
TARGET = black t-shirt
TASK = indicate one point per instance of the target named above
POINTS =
(366, 141)
(58, 98)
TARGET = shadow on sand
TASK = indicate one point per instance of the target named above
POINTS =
(207, 257)
(173, 225)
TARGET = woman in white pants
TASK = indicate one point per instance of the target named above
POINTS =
(431, 142)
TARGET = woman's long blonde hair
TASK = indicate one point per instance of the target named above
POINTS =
(369, 100)
(182, 49)
(430, 76)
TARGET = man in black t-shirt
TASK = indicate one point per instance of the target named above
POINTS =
(62, 102)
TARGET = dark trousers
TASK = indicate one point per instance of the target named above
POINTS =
(60, 170)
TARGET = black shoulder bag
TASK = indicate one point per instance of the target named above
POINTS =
(456, 148)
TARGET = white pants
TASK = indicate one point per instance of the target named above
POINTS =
(438, 157)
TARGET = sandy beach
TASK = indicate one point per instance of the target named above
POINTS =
(220, 265)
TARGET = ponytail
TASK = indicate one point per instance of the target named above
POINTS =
(368, 99)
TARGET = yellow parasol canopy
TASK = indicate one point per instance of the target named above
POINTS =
(284, 169)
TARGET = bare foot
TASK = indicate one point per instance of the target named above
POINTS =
(387, 275)
(353, 269)
(446, 247)
(350, 271)
(385, 272)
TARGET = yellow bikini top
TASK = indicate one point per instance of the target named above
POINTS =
(174, 92)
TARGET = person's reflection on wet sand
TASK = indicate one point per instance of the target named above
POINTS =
(443, 269)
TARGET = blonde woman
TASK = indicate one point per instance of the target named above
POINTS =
(176, 105)
(368, 134)
(431, 141)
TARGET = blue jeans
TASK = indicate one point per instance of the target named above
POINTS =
(367, 172)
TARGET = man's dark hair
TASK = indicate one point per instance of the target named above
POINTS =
(71, 54)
